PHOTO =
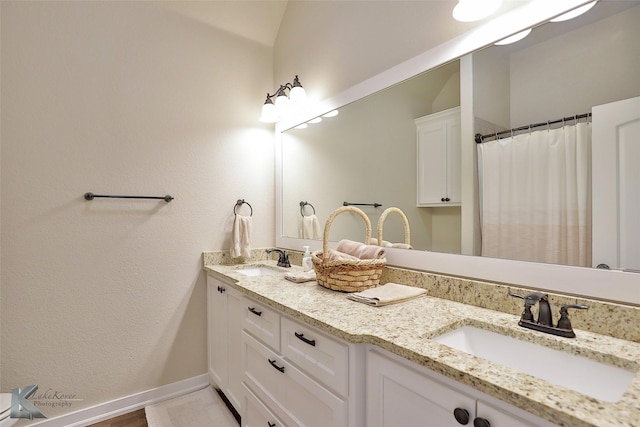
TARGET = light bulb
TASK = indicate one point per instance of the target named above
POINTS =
(475, 10)
(331, 113)
(269, 114)
(575, 12)
(297, 94)
(282, 104)
(514, 38)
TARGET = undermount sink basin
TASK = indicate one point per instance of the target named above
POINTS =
(586, 376)
(257, 270)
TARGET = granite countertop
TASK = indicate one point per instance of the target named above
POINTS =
(406, 329)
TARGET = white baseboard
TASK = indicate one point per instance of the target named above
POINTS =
(124, 405)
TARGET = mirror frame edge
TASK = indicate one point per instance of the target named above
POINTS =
(622, 287)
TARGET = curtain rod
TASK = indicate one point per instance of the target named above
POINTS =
(480, 138)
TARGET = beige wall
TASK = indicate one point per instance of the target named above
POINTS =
(592, 65)
(106, 298)
(334, 45)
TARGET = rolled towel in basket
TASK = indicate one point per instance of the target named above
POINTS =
(360, 250)
(337, 255)
(386, 294)
(400, 246)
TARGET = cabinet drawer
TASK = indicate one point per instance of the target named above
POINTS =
(256, 414)
(320, 356)
(288, 391)
(262, 322)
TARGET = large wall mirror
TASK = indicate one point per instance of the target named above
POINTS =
(367, 153)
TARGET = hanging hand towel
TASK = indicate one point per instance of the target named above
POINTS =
(241, 237)
(310, 227)
(386, 294)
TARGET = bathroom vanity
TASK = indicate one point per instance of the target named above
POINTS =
(300, 354)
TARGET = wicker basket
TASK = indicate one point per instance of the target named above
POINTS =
(346, 275)
(405, 223)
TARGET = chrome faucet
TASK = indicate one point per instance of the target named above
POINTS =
(545, 320)
(283, 258)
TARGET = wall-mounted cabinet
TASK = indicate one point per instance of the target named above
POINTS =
(438, 159)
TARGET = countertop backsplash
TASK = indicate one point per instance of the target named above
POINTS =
(602, 317)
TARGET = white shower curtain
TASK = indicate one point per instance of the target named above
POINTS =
(535, 196)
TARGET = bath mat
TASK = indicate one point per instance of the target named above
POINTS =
(203, 408)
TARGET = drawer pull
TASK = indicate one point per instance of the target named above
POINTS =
(305, 340)
(270, 424)
(254, 311)
(273, 363)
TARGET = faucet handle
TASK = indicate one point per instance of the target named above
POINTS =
(564, 322)
(526, 314)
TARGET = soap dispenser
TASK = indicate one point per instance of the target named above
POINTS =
(307, 264)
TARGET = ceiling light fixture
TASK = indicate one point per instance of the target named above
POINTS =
(514, 38)
(272, 113)
(574, 13)
(475, 10)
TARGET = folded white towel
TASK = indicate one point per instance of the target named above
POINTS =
(310, 227)
(241, 237)
(305, 276)
(386, 294)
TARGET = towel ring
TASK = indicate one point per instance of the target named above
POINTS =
(241, 202)
(303, 204)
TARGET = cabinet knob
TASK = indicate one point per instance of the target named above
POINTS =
(447, 199)
(461, 415)
(270, 424)
(481, 422)
(442, 199)
(221, 289)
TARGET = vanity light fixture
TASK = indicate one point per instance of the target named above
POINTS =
(475, 10)
(514, 38)
(272, 113)
(574, 13)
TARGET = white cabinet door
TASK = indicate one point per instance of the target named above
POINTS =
(438, 159)
(224, 314)
(616, 177)
(498, 418)
(399, 396)
(217, 331)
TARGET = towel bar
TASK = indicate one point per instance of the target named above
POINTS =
(91, 196)
(375, 205)
(241, 202)
(303, 204)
